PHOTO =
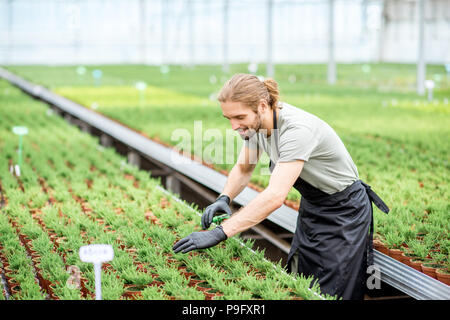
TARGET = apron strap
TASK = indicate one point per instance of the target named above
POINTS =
(373, 197)
(275, 129)
(370, 243)
(275, 132)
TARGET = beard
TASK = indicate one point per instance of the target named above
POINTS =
(247, 132)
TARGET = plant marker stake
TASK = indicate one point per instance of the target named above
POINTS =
(97, 254)
(141, 86)
(20, 131)
(429, 84)
(447, 68)
(164, 69)
(17, 170)
(81, 70)
(97, 75)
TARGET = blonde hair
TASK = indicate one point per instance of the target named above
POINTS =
(249, 90)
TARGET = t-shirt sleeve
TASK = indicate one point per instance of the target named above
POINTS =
(296, 143)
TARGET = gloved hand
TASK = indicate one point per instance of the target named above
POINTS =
(200, 240)
(220, 206)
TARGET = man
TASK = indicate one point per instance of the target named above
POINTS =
(333, 238)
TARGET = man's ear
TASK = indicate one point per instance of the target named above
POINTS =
(263, 106)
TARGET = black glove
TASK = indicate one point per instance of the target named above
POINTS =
(220, 206)
(200, 240)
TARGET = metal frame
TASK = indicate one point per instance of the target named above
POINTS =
(412, 282)
(393, 272)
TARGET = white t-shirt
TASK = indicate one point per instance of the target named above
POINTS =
(303, 136)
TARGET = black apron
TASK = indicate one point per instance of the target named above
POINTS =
(334, 235)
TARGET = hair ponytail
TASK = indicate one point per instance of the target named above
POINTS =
(249, 90)
(274, 93)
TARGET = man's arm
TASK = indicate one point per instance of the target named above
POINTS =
(283, 178)
(240, 175)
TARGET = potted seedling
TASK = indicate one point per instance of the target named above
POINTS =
(153, 293)
(430, 267)
(179, 291)
(29, 290)
(394, 241)
(421, 252)
(407, 256)
(379, 245)
(443, 274)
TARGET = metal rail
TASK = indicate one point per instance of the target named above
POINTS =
(412, 282)
(394, 273)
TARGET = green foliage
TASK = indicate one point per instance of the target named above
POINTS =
(152, 293)
(180, 291)
(131, 276)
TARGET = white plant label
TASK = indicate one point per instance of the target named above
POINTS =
(17, 170)
(429, 84)
(141, 86)
(20, 131)
(97, 254)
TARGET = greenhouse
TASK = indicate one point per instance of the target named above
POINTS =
(127, 170)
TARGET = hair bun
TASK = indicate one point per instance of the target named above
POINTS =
(249, 89)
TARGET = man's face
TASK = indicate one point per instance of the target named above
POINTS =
(242, 118)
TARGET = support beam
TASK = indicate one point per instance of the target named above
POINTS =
(191, 30)
(105, 140)
(142, 31)
(173, 184)
(84, 127)
(68, 118)
(226, 64)
(164, 10)
(134, 158)
(421, 67)
(270, 68)
(156, 173)
(10, 42)
(272, 238)
(331, 72)
(195, 187)
(382, 32)
(56, 110)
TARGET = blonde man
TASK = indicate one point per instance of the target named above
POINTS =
(333, 238)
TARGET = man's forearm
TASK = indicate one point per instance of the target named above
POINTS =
(236, 182)
(253, 213)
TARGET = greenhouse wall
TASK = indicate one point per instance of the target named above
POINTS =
(193, 31)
